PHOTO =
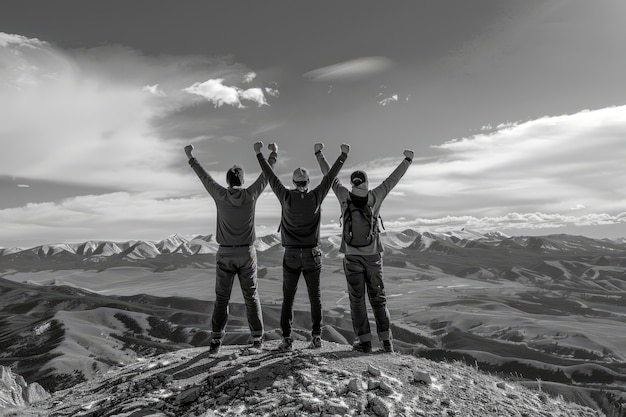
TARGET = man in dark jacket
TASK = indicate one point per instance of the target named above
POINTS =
(236, 255)
(300, 233)
(363, 265)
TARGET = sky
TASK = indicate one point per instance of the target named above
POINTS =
(516, 112)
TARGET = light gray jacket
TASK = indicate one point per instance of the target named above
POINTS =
(375, 199)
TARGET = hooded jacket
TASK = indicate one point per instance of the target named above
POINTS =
(375, 198)
(235, 206)
(301, 210)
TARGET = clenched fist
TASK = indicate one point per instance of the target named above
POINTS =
(318, 147)
(409, 154)
(345, 148)
(188, 150)
(272, 147)
(258, 146)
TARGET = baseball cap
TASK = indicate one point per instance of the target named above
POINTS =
(358, 177)
(300, 174)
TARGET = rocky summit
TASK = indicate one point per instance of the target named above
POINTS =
(330, 381)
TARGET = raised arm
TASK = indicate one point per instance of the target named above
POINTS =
(331, 175)
(279, 189)
(386, 186)
(324, 166)
(257, 187)
(207, 180)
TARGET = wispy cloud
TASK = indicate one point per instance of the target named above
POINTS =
(155, 90)
(249, 77)
(352, 70)
(388, 100)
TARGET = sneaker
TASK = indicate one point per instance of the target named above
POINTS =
(257, 342)
(364, 347)
(286, 345)
(388, 346)
(214, 346)
(316, 342)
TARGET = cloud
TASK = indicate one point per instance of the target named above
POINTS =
(548, 165)
(249, 77)
(217, 93)
(272, 91)
(23, 186)
(386, 101)
(352, 70)
(254, 94)
(7, 39)
(154, 90)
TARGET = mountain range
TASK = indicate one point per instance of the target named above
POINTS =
(547, 311)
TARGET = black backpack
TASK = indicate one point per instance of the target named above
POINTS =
(360, 227)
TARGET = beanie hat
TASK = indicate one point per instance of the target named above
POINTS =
(234, 176)
(358, 177)
(300, 175)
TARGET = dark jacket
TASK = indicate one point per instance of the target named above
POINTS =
(301, 211)
(235, 206)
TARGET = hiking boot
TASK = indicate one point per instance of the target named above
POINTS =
(388, 346)
(286, 345)
(257, 342)
(316, 342)
(214, 346)
(363, 347)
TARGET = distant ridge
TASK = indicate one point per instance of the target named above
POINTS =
(554, 261)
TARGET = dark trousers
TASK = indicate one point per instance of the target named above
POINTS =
(365, 273)
(308, 262)
(239, 261)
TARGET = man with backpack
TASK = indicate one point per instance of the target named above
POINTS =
(362, 247)
(236, 254)
(300, 233)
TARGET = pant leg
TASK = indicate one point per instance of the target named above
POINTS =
(377, 295)
(311, 269)
(224, 276)
(355, 276)
(247, 262)
(292, 266)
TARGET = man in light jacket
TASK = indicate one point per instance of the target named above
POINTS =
(363, 266)
(300, 233)
(236, 255)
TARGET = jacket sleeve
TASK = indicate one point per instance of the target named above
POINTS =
(277, 186)
(325, 168)
(323, 189)
(386, 186)
(215, 190)
(259, 185)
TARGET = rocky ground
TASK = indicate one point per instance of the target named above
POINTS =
(331, 381)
